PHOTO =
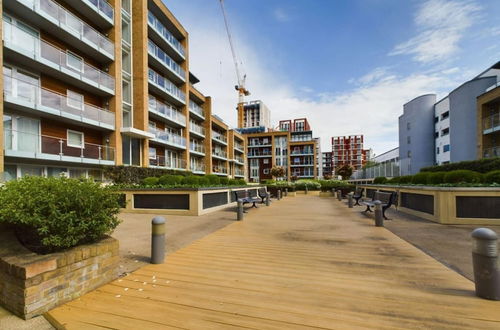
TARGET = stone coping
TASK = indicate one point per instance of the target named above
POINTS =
(192, 189)
(432, 187)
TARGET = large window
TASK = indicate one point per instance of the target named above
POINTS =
(75, 139)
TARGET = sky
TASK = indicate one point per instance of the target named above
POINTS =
(348, 66)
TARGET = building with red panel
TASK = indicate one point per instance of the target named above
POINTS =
(348, 150)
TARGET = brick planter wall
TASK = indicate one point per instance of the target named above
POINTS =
(32, 284)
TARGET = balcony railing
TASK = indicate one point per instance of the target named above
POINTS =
(166, 110)
(197, 167)
(219, 169)
(491, 152)
(41, 51)
(103, 7)
(162, 161)
(302, 164)
(239, 172)
(491, 122)
(219, 137)
(72, 24)
(166, 85)
(165, 33)
(302, 152)
(219, 153)
(166, 137)
(197, 148)
(239, 147)
(239, 159)
(54, 103)
(193, 127)
(260, 153)
(46, 147)
(193, 107)
(156, 51)
(259, 143)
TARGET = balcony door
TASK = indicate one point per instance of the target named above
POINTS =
(21, 133)
(21, 84)
(21, 34)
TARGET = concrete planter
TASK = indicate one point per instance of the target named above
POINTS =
(32, 284)
(325, 194)
(292, 194)
(310, 192)
(447, 205)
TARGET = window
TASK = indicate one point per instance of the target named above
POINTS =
(152, 153)
(74, 61)
(436, 119)
(409, 154)
(408, 139)
(437, 150)
(446, 148)
(75, 139)
(126, 92)
(77, 173)
(445, 115)
(265, 161)
(444, 132)
(408, 126)
(74, 99)
(126, 62)
(56, 172)
(436, 135)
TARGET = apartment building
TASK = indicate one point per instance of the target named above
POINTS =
(253, 117)
(90, 84)
(319, 158)
(348, 150)
(327, 163)
(237, 155)
(303, 148)
(488, 119)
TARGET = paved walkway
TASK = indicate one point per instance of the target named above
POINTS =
(304, 262)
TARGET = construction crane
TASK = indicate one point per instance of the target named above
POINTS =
(242, 91)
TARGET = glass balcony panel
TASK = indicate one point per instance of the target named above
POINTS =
(196, 109)
(165, 59)
(165, 33)
(166, 85)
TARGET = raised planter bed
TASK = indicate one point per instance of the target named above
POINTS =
(446, 205)
(181, 201)
(32, 284)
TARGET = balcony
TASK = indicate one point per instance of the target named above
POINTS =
(169, 139)
(255, 144)
(196, 110)
(197, 168)
(301, 164)
(166, 111)
(303, 174)
(491, 124)
(165, 87)
(491, 152)
(302, 152)
(239, 173)
(220, 154)
(35, 146)
(218, 137)
(197, 129)
(89, 8)
(160, 58)
(219, 170)
(163, 37)
(164, 162)
(260, 153)
(26, 97)
(58, 21)
(42, 56)
(239, 160)
(197, 149)
(239, 147)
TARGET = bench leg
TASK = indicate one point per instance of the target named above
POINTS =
(368, 209)
(357, 201)
(253, 205)
(383, 213)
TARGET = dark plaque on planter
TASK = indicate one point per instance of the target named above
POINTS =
(214, 199)
(478, 207)
(163, 202)
(418, 202)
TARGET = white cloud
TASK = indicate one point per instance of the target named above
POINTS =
(371, 108)
(441, 25)
(281, 15)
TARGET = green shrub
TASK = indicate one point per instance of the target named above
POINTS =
(420, 178)
(224, 181)
(394, 180)
(435, 177)
(51, 214)
(492, 177)
(203, 181)
(241, 182)
(462, 176)
(150, 181)
(191, 180)
(135, 175)
(167, 180)
(482, 166)
(213, 179)
(380, 180)
(405, 179)
(310, 184)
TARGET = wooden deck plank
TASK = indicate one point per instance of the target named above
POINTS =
(288, 267)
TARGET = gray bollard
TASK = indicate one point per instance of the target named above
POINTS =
(158, 240)
(286, 192)
(268, 198)
(278, 193)
(239, 215)
(350, 200)
(379, 218)
(339, 195)
(307, 190)
(485, 263)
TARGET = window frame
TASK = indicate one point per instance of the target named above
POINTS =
(70, 131)
(76, 56)
(68, 97)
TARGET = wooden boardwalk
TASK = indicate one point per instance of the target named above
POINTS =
(303, 263)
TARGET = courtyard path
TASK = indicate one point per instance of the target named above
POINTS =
(302, 263)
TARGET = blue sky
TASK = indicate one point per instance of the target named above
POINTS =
(349, 66)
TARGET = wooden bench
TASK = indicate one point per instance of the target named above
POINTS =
(387, 199)
(245, 197)
(358, 195)
(262, 194)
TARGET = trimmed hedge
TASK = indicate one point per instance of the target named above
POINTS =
(191, 181)
(420, 178)
(436, 177)
(492, 177)
(135, 175)
(462, 176)
(481, 166)
(405, 179)
(380, 180)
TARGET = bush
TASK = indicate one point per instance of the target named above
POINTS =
(394, 180)
(435, 177)
(462, 176)
(191, 180)
(241, 182)
(420, 178)
(51, 214)
(492, 177)
(168, 180)
(135, 175)
(310, 184)
(203, 181)
(481, 166)
(213, 179)
(151, 181)
(380, 180)
(224, 181)
(405, 179)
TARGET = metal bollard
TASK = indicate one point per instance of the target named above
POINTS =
(286, 192)
(485, 263)
(307, 190)
(239, 215)
(268, 198)
(158, 240)
(278, 193)
(349, 200)
(339, 195)
(379, 218)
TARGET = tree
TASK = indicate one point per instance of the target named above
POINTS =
(277, 171)
(345, 171)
